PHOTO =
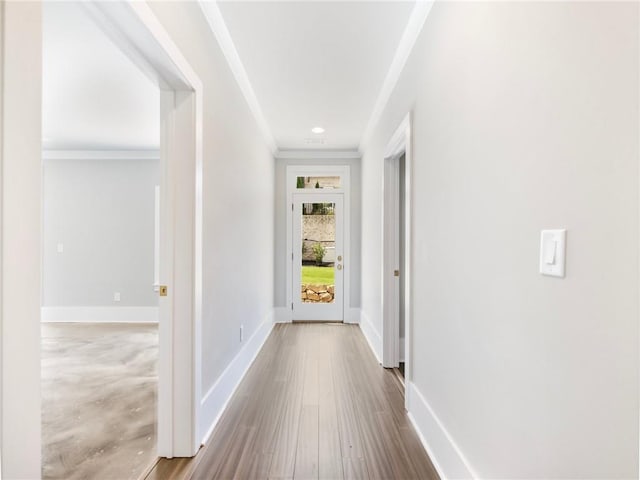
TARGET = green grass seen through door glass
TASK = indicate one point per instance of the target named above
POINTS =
(317, 275)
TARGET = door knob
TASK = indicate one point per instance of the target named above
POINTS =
(339, 267)
(339, 258)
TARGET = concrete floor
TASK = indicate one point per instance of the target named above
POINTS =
(99, 384)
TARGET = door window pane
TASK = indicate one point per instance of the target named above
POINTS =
(318, 253)
(318, 182)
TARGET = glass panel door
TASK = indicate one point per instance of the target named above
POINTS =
(317, 257)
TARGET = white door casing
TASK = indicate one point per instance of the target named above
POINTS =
(400, 143)
(294, 171)
(321, 311)
(137, 32)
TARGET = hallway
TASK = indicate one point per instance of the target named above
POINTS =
(314, 404)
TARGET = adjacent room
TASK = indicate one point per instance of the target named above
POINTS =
(100, 181)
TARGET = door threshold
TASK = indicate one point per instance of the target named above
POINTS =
(318, 321)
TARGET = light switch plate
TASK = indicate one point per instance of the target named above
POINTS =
(552, 252)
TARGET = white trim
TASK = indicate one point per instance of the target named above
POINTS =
(282, 315)
(390, 297)
(217, 398)
(400, 142)
(101, 155)
(99, 315)
(352, 315)
(372, 335)
(221, 32)
(317, 154)
(21, 173)
(414, 26)
(443, 451)
(179, 380)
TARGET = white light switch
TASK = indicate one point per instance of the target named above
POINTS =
(116, 296)
(552, 252)
(60, 247)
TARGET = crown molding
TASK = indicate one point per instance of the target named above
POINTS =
(216, 22)
(418, 16)
(100, 154)
(317, 154)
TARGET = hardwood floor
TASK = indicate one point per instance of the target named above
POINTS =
(315, 404)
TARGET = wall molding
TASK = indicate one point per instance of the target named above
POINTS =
(407, 41)
(317, 154)
(216, 22)
(372, 335)
(101, 155)
(443, 451)
(352, 315)
(99, 314)
(282, 315)
(215, 401)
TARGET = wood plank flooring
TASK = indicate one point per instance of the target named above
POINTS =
(314, 405)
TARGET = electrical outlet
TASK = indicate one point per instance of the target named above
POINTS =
(116, 296)
(241, 333)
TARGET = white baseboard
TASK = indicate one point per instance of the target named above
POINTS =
(216, 399)
(352, 315)
(282, 315)
(100, 314)
(443, 451)
(372, 335)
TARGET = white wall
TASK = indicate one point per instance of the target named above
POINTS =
(103, 214)
(525, 117)
(238, 200)
(280, 246)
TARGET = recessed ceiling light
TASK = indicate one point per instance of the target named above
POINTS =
(317, 130)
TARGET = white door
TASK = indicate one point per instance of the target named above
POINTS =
(318, 257)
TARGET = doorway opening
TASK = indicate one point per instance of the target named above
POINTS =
(396, 262)
(100, 253)
(178, 164)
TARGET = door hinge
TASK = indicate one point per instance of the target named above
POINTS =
(292, 306)
(291, 255)
(396, 273)
(292, 207)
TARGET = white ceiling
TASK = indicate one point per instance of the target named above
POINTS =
(309, 63)
(316, 63)
(94, 97)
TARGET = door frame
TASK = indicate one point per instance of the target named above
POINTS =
(326, 197)
(398, 144)
(343, 171)
(144, 39)
(135, 29)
